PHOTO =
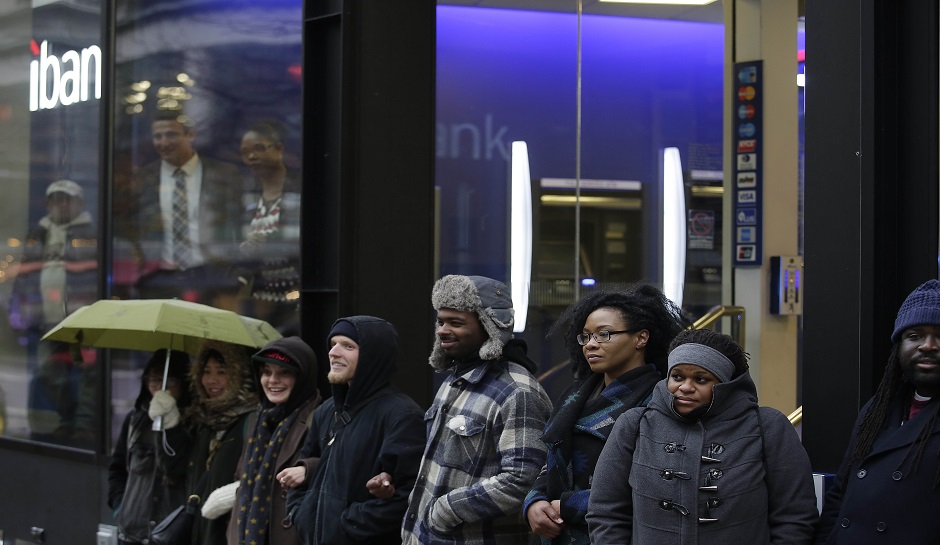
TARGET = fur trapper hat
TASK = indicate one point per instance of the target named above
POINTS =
(488, 298)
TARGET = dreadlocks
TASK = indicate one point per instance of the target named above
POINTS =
(893, 383)
(641, 306)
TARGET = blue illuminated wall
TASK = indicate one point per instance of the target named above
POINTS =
(505, 75)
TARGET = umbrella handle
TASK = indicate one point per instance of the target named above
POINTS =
(158, 421)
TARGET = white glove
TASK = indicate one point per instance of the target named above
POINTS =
(220, 501)
(163, 404)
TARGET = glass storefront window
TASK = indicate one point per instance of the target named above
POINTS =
(650, 79)
(206, 186)
(205, 93)
(50, 89)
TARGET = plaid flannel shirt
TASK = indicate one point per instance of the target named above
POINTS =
(484, 452)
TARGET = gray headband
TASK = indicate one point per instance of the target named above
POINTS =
(705, 357)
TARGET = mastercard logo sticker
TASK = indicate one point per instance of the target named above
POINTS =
(746, 92)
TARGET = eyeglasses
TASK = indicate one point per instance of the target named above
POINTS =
(257, 148)
(602, 336)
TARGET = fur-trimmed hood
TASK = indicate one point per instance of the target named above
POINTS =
(240, 394)
(488, 298)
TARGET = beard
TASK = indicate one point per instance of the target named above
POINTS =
(923, 380)
(338, 378)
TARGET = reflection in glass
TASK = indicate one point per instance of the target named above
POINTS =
(270, 252)
(50, 93)
(193, 80)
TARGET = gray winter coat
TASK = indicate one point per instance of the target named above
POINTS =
(737, 475)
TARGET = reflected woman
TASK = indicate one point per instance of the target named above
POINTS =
(271, 249)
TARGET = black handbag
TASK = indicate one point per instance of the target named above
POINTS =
(177, 527)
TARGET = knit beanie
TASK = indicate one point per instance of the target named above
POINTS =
(344, 328)
(921, 307)
(488, 298)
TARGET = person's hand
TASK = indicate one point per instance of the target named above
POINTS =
(381, 486)
(292, 476)
(163, 404)
(544, 518)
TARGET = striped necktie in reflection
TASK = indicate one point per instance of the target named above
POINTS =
(181, 243)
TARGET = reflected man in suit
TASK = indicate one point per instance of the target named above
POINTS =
(188, 217)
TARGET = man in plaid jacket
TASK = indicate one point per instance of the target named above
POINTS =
(484, 449)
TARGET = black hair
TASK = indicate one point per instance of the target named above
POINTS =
(177, 116)
(270, 129)
(641, 306)
(893, 383)
(720, 342)
(214, 354)
(178, 369)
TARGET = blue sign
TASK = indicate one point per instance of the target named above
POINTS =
(746, 216)
(748, 113)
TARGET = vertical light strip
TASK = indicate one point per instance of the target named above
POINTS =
(673, 226)
(577, 168)
(520, 225)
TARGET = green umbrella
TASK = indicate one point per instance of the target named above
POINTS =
(152, 324)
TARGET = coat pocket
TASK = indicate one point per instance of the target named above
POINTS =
(464, 444)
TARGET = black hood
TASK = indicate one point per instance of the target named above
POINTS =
(179, 369)
(301, 359)
(378, 360)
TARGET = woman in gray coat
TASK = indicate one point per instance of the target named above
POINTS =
(703, 463)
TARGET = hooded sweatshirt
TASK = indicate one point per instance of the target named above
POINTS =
(367, 427)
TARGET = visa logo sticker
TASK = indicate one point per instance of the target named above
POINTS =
(747, 197)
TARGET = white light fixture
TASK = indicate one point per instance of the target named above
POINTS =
(673, 226)
(520, 225)
(667, 2)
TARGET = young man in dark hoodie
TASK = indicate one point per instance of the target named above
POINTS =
(484, 427)
(367, 427)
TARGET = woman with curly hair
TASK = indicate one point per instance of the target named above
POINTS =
(618, 341)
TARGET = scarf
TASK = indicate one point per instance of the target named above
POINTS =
(257, 482)
(220, 413)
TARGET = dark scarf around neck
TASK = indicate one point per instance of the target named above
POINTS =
(257, 481)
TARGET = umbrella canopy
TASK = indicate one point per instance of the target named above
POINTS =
(152, 324)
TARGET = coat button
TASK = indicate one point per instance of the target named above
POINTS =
(881, 527)
(846, 523)
(897, 475)
(861, 473)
